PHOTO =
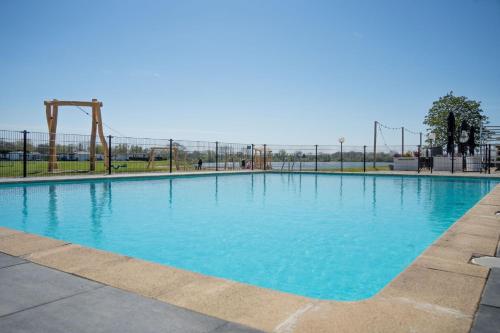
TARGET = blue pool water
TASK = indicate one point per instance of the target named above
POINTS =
(323, 236)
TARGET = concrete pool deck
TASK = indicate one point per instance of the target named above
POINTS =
(35, 298)
(439, 292)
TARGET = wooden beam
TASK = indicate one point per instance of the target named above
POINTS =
(72, 103)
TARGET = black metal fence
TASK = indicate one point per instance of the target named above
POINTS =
(26, 154)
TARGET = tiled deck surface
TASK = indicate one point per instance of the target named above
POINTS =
(487, 318)
(35, 298)
(439, 292)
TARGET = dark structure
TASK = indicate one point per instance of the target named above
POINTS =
(450, 145)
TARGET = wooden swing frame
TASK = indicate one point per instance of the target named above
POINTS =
(152, 151)
(258, 155)
(52, 109)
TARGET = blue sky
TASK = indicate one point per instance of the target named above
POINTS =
(247, 71)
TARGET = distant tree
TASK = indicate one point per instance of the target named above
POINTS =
(462, 107)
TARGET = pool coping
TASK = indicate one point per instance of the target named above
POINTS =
(438, 292)
(146, 175)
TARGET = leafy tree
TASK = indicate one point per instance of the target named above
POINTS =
(462, 107)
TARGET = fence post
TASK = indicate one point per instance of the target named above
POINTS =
(364, 158)
(252, 155)
(341, 159)
(316, 159)
(109, 154)
(264, 157)
(485, 159)
(170, 155)
(464, 163)
(453, 160)
(25, 153)
(418, 161)
(216, 155)
(489, 159)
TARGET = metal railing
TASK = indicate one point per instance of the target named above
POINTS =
(26, 154)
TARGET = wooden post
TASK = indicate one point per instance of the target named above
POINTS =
(52, 137)
(101, 133)
(93, 138)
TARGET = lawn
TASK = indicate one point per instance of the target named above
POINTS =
(40, 168)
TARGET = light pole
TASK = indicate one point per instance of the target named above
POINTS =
(341, 140)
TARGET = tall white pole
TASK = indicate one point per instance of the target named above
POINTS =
(375, 144)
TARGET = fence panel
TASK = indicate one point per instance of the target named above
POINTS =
(290, 157)
(139, 155)
(29, 154)
(11, 154)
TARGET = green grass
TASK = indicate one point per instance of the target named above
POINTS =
(40, 168)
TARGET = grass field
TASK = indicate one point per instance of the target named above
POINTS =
(39, 168)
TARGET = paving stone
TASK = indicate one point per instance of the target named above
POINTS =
(491, 295)
(27, 285)
(6, 260)
(487, 320)
(490, 262)
(109, 309)
(235, 328)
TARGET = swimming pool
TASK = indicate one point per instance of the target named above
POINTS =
(337, 237)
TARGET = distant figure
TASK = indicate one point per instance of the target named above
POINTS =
(200, 163)
(243, 163)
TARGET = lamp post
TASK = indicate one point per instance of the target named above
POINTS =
(464, 137)
(341, 140)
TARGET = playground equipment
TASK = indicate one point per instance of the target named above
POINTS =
(52, 109)
(258, 159)
(152, 151)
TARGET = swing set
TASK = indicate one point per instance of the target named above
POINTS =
(258, 156)
(52, 110)
(152, 156)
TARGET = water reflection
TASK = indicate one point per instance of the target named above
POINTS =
(364, 186)
(52, 211)
(98, 205)
(216, 190)
(316, 186)
(170, 193)
(374, 195)
(419, 190)
(25, 207)
(252, 185)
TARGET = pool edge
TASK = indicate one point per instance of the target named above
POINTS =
(438, 292)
